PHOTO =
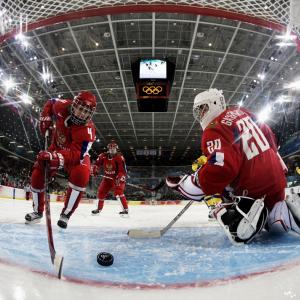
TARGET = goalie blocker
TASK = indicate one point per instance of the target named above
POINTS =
(241, 219)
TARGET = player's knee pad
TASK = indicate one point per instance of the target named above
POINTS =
(80, 175)
(37, 177)
(187, 186)
(243, 220)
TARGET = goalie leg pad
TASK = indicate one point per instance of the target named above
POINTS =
(248, 225)
(186, 186)
(243, 220)
(282, 218)
(293, 202)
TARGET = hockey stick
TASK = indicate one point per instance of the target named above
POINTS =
(155, 189)
(139, 233)
(56, 260)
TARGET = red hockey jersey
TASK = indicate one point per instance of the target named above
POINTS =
(72, 141)
(241, 154)
(112, 166)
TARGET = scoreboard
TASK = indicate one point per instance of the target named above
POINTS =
(153, 79)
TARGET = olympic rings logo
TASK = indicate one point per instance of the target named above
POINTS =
(149, 90)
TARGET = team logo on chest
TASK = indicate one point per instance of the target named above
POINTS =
(109, 168)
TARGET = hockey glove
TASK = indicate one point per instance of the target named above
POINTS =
(120, 179)
(213, 200)
(55, 161)
(199, 162)
(46, 124)
(94, 170)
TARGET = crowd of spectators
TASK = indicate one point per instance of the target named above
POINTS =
(14, 173)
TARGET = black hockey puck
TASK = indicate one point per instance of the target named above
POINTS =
(105, 259)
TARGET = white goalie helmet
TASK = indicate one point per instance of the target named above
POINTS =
(208, 105)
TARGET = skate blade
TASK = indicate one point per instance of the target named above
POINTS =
(124, 216)
(32, 222)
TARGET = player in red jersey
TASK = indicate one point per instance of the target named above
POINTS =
(73, 134)
(241, 157)
(114, 178)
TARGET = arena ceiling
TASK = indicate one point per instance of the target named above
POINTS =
(95, 53)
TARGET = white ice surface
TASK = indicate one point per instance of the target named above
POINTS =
(20, 283)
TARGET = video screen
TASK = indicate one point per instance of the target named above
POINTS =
(153, 69)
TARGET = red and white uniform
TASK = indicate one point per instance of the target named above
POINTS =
(72, 143)
(114, 168)
(242, 154)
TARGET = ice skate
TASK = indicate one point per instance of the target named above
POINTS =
(33, 218)
(211, 217)
(63, 221)
(96, 212)
(124, 213)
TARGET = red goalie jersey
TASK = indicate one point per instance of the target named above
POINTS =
(242, 154)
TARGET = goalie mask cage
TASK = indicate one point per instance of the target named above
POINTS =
(32, 14)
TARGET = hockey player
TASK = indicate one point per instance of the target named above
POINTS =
(242, 157)
(114, 178)
(73, 134)
(27, 191)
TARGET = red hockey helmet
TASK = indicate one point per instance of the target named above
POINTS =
(83, 107)
(112, 148)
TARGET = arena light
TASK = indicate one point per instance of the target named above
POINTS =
(283, 99)
(264, 114)
(286, 37)
(240, 103)
(26, 98)
(293, 85)
(8, 84)
(22, 39)
(46, 76)
(284, 44)
(261, 76)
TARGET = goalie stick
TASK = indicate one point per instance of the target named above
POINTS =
(139, 233)
(56, 260)
(148, 189)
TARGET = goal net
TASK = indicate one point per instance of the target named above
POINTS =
(31, 14)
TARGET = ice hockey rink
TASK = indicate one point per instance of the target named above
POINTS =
(194, 259)
(249, 49)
